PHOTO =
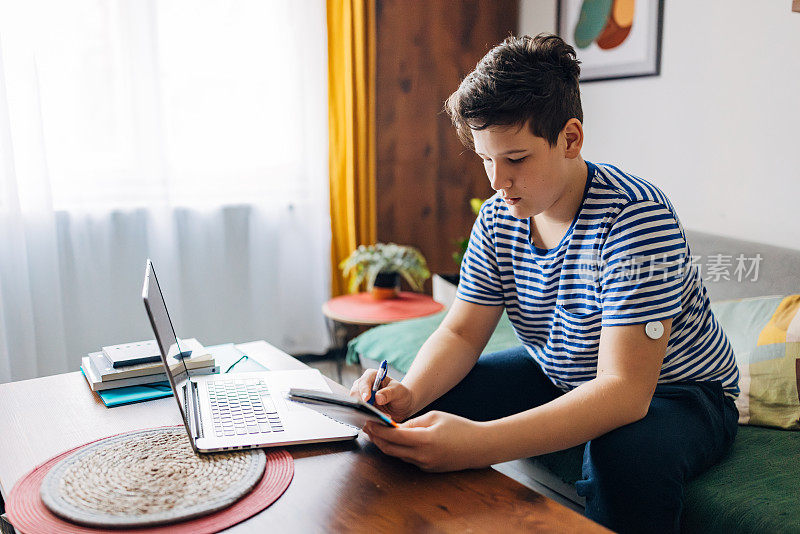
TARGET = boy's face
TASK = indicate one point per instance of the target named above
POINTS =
(529, 174)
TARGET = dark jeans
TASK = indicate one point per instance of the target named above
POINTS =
(633, 476)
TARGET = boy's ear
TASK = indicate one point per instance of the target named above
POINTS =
(573, 135)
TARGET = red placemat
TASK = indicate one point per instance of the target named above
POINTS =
(364, 308)
(29, 515)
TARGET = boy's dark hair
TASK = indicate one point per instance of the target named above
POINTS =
(522, 79)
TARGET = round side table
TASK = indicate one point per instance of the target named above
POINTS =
(362, 311)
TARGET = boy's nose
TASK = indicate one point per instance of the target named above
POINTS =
(498, 178)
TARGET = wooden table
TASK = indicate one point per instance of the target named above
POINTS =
(336, 487)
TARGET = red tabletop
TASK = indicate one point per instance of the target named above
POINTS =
(363, 308)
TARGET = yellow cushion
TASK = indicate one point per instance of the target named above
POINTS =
(765, 335)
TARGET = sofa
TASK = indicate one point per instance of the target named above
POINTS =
(756, 488)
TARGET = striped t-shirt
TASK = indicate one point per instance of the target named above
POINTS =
(623, 261)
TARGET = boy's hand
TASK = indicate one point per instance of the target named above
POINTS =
(435, 441)
(392, 398)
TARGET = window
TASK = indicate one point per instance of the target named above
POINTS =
(178, 101)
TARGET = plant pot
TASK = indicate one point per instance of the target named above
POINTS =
(444, 288)
(386, 286)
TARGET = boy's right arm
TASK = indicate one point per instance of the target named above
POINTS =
(442, 362)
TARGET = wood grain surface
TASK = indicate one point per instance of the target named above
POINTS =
(350, 487)
(425, 177)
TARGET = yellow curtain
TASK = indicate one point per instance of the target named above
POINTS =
(351, 123)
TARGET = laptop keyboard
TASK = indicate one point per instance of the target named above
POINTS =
(241, 407)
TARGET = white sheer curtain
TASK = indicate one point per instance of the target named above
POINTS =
(193, 132)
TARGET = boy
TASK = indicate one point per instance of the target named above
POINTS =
(619, 350)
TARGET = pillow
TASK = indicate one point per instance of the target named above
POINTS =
(765, 335)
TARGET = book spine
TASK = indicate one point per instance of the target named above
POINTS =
(149, 379)
(100, 364)
(94, 368)
(86, 371)
(150, 370)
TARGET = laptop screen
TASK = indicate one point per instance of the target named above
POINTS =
(165, 335)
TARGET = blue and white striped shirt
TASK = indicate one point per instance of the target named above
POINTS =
(623, 261)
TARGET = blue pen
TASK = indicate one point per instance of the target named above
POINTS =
(378, 379)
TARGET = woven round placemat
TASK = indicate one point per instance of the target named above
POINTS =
(28, 513)
(146, 478)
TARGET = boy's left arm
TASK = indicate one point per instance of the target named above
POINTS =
(629, 364)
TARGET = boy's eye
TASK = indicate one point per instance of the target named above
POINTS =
(517, 160)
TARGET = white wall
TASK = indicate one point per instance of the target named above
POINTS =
(719, 129)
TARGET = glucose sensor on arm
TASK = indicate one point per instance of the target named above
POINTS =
(654, 329)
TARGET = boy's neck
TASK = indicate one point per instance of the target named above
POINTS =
(563, 211)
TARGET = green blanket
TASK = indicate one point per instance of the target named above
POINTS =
(399, 342)
(755, 489)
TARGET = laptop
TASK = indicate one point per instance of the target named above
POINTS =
(235, 411)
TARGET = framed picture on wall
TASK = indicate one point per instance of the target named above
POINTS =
(613, 38)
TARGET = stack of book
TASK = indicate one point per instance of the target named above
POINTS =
(133, 372)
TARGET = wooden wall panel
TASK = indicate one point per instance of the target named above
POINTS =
(425, 177)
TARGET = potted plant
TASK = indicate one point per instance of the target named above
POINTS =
(381, 266)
